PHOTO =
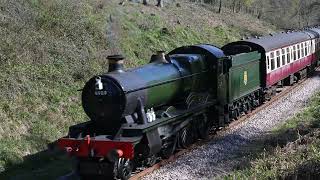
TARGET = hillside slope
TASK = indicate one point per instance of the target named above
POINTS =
(49, 48)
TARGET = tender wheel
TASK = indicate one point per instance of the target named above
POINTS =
(123, 169)
(204, 127)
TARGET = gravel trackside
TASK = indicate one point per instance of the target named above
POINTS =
(221, 155)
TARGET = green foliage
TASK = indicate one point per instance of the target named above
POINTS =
(285, 14)
(296, 160)
(248, 3)
(150, 33)
(307, 118)
(48, 50)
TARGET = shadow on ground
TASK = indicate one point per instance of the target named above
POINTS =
(45, 165)
(267, 144)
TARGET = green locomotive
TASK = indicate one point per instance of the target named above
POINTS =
(141, 114)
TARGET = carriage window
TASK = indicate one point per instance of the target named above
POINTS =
(283, 56)
(272, 64)
(272, 60)
(278, 61)
(268, 63)
(278, 58)
(298, 51)
(305, 49)
(288, 55)
(302, 50)
(294, 53)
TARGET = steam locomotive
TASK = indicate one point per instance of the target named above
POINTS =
(140, 115)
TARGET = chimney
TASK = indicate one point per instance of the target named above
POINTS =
(159, 57)
(115, 63)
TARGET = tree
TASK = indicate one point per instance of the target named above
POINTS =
(160, 3)
(234, 2)
(286, 14)
(220, 6)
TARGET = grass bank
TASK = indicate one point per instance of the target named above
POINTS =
(48, 49)
(292, 151)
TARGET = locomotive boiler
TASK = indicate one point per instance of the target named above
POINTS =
(109, 98)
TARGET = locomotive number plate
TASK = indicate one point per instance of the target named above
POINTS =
(101, 93)
(245, 77)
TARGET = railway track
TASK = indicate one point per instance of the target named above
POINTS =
(215, 135)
